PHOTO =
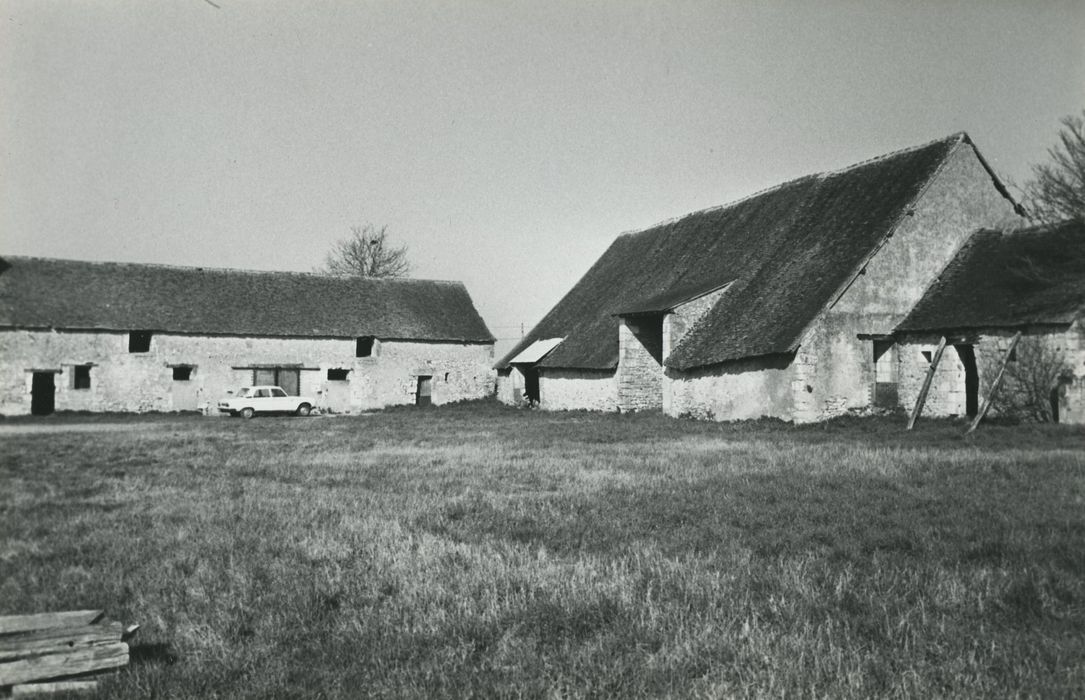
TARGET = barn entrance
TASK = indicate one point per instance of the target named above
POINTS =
(424, 395)
(967, 354)
(43, 393)
(885, 374)
(531, 383)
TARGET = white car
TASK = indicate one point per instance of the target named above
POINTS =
(250, 400)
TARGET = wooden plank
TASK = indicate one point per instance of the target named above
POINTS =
(68, 663)
(51, 688)
(994, 387)
(52, 641)
(43, 621)
(922, 399)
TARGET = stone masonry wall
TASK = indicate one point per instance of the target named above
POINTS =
(834, 370)
(946, 396)
(640, 374)
(123, 381)
(570, 390)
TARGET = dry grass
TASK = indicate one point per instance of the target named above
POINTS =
(479, 551)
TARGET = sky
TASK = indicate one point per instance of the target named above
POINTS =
(505, 143)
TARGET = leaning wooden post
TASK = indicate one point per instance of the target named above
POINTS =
(994, 386)
(927, 383)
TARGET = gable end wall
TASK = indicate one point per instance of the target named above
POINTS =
(835, 369)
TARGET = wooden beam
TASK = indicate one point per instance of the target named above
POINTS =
(53, 641)
(53, 688)
(68, 663)
(994, 386)
(44, 621)
(922, 399)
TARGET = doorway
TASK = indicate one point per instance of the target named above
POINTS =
(967, 353)
(424, 395)
(43, 394)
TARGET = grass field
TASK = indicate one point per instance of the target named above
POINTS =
(482, 551)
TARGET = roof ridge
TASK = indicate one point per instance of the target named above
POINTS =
(959, 136)
(213, 269)
(820, 175)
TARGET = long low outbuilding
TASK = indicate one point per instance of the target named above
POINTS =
(103, 336)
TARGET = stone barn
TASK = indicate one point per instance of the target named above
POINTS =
(1028, 281)
(90, 336)
(782, 304)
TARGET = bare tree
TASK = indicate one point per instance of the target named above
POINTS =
(367, 253)
(1032, 384)
(1057, 189)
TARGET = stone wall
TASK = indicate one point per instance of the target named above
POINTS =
(835, 369)
(124, 381)
(640, 369)
(947, 396)
(569, 390)
(754, 388)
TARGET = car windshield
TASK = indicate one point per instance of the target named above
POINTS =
(244, 392)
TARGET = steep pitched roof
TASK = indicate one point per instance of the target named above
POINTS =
(1008, 279)
(786, 252)
(71, 294)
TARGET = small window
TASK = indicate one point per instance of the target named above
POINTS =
(81, 377)
(182, 374)
(337, 375)
(927, 356)
(364, 347)
(139, 341)
(262, 393)
(277, 392)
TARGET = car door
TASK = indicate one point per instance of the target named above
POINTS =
(262, 400)
(280, 400)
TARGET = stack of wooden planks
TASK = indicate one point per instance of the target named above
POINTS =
(37, 650)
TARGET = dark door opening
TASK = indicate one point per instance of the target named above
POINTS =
(424, 396)
(531, 384)
(967, 353)
(43, 394)
(885, 374)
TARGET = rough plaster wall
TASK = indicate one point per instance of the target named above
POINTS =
(123, 381)
(507, 381)
(570, 390)
(676, 325)
(640, 375)
(946, 396)
(753, 388)
(837, 367)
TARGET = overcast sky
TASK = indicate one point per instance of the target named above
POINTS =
(505, 143)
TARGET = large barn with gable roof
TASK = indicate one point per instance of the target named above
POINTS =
(782, 304)
(92, 336)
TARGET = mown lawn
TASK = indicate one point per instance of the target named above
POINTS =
(482, 551)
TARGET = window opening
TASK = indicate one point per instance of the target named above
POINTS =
(81, 377)
(289, 378)
(364, 346)
(139, 341)
(337, 375)
(182, 374)
(928, 356)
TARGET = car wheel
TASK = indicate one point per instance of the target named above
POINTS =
(304, 409)
(247, 412)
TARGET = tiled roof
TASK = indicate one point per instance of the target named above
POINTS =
(786, 252)
(70, 294)
(1008, 279)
